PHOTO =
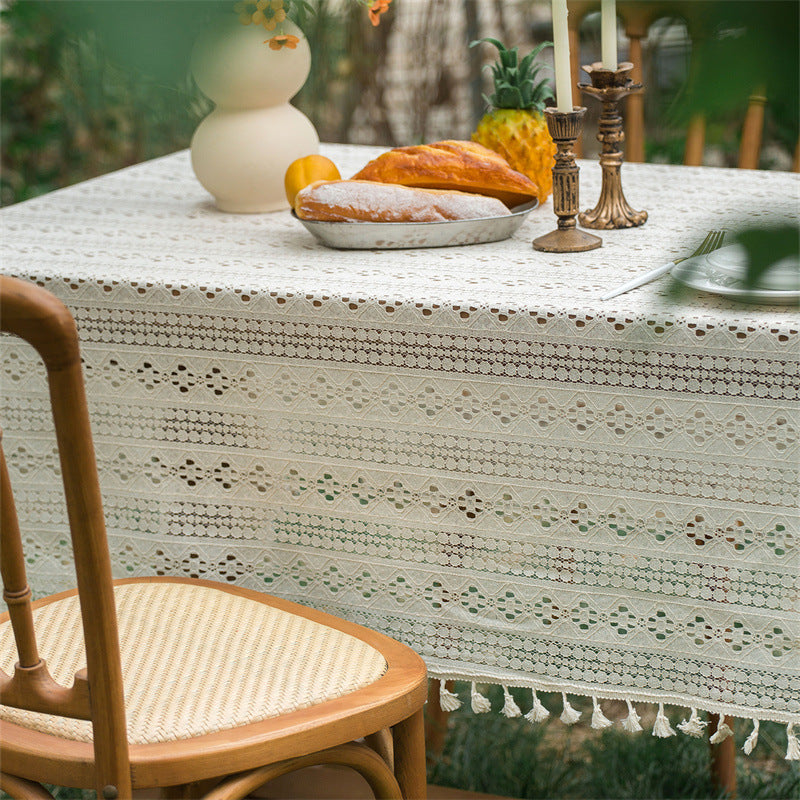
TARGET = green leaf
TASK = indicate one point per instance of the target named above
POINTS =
(766, 247)
(508, 58)
(488, 40)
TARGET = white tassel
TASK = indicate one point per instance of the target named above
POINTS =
(792, 745)
(693, 726)
(752, 740)
(631, 722)
(510, 707)
(662, 728)
(480, 704)
(599, 719)
(538, 712)
(569, 716)
(447, 700)
(722, 733)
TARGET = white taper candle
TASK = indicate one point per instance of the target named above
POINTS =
(561, 57)
(608, 33)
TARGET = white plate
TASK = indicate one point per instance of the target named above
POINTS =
(722, 271)
(729, 264)
(397, 235)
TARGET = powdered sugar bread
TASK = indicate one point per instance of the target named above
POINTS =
(452, 164)
(368, 201)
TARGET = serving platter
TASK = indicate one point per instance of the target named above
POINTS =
(402, 235)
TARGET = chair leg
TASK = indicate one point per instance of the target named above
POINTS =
(723, 758)
(409, 756)
(435, 721)
(381, 742)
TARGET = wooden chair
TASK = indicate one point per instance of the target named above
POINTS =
(200, 687)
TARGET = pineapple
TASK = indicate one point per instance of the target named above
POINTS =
(515, 127)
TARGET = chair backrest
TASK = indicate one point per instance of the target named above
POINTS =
(749, 145)
(42, 320)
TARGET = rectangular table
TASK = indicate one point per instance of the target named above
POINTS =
(461, 447)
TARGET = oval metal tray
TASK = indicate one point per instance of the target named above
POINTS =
(399, 235)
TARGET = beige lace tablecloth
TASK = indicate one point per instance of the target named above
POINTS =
(461, 447)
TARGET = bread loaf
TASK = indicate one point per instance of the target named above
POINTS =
(368, 201)
(464, 166)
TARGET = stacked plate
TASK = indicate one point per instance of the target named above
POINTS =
(723, 272)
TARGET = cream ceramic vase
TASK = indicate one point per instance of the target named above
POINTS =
(241, 150)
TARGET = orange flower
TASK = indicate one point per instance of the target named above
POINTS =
(377, 8)
(269, 13)
(282, 40)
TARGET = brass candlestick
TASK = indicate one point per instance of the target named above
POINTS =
(612, 210)
(565, 127)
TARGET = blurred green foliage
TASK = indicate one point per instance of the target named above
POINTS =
(70, 110)
(742, 48)
(737, 48)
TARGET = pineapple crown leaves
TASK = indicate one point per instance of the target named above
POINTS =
(515, 81)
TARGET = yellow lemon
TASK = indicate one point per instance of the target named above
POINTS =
(306, 170)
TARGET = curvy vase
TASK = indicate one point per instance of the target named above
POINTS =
(241, 150)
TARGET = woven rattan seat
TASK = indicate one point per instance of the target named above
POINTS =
(180, 671)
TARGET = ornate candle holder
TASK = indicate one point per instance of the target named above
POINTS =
(565, 127)
(612, 210)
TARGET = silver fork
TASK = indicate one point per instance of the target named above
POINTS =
(712, 242)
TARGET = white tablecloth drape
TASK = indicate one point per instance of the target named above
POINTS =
(461, 447)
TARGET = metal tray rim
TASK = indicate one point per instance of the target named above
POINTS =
(408, 235)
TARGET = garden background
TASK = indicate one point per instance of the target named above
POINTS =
(90, 86)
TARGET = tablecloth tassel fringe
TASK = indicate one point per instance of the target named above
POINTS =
(480, 704)
(510, 707)
(538, 712)
(722, 733)
(662, 729)
(694, 726)
(447, 700)
(599, 719)
(792, 744)
(569, 716)
(752, 740)
(631, 722)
